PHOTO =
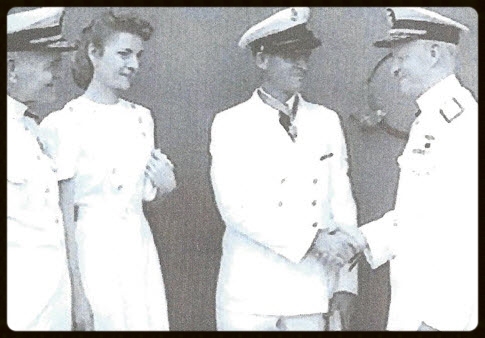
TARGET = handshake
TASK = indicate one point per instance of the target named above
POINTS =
(339, 247)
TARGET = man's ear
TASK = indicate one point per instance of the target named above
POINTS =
(93, 52)
(435, 53)
(11, 74)
(261, 60)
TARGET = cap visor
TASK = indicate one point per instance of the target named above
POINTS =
(61, 45)
(295, 45)
(388, 43)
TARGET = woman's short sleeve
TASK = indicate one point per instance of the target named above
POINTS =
(59, 137)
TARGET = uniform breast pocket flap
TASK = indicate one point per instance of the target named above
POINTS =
(16, 179)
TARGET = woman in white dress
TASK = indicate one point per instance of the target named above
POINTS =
(107, 166)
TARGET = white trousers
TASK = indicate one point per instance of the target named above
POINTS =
(39, 296)
(233, 321)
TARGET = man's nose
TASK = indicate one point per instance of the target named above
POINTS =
(302, 63)
(56, 72)
(51, 76)
(133, 63)
(395, 69)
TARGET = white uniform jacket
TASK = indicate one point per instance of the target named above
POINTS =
(273, 196)
(38, 291)
(432, 233)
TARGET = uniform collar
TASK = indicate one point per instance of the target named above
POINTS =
(288, 103)
(15, 109)
(437, 93)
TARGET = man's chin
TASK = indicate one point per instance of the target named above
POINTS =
(123, 87)
(296, 88)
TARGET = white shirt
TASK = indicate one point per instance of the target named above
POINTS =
(273, 195)
(36, 255)
(431, 235)
(32, 190)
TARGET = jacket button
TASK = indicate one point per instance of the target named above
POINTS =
(120, 187)
(57, 220)
(47, 190)
(314, 203)
(427, 145)
(140, 120)
(280, 203)
(283, 180)
(315, 181)
(114, 171)
(315, 224)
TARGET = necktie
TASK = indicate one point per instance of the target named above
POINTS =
(287, 121)
(286, 115)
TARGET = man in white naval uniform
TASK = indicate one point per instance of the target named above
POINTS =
(431, 236)
(279, 174)
(38, 287)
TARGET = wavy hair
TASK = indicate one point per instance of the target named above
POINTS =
(97, 33)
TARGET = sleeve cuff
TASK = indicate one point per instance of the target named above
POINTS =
(348, 280)
(379, 236)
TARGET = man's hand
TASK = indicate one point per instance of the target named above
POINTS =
(333, 248)
(426, 327)
(159, 170)
(358, 242)
(356, 238)
(344, 303)
(82, 314)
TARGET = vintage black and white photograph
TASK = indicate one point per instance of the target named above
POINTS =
(242, 169)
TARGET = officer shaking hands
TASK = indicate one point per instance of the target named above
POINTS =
(279, 175)
(431, 235)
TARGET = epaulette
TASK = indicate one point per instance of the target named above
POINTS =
(451, 109)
